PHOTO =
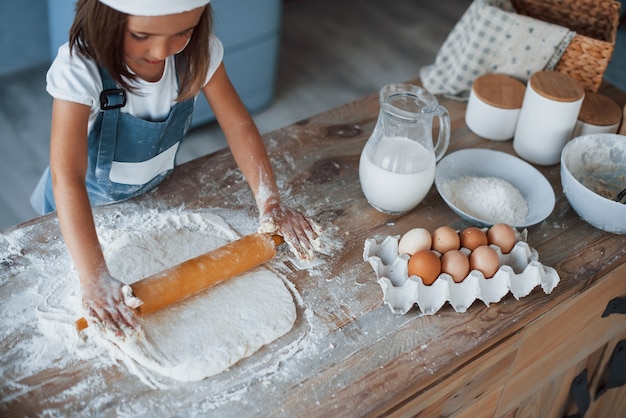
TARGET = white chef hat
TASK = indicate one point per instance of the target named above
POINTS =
(154, 7)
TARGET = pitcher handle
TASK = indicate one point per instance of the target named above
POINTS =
(441, 146)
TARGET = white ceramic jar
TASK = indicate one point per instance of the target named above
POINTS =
(494, 106)
(549, 114)
(598, 115)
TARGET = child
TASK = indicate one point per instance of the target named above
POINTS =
(124, 89)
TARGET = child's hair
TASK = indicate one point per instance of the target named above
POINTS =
(98, 32)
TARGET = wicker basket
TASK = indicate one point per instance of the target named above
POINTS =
(595, 23)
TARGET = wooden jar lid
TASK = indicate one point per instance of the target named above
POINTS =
(499, 90)
(556, 86)
(599, 110)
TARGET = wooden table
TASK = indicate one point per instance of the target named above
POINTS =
(354, 357)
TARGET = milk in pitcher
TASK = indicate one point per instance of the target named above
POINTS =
(397, 175)
(397, 165)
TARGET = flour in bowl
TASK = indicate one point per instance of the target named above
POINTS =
(490, 199)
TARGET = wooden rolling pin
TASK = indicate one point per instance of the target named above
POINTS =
(192, 276)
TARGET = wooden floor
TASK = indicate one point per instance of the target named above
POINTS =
(332, 51)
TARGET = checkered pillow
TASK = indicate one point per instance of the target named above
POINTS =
(491, 38)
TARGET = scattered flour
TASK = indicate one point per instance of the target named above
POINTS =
(490, 199)
(211, 331)
(199, 337)
(44, 358)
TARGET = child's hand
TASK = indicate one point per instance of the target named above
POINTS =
(299, 233)
(104, 301)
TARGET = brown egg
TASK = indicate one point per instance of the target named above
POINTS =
(414, 240)
(456, 264)
(425, 264)
(503, 236)
(472, 238)
(445, 239)
(485, 259)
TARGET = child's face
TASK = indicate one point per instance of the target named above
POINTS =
(149, 40)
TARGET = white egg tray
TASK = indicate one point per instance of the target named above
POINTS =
(519, 272)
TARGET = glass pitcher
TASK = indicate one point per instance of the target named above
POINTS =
(397, 165)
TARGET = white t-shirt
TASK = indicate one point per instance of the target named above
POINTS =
(76, 78)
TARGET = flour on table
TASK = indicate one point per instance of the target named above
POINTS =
(87, 374)
(209, 332)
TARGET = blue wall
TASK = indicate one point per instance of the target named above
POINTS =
(24, 38)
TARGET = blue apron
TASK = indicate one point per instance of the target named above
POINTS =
(127, 156)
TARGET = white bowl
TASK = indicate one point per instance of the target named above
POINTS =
(477, 162)
(593, 164)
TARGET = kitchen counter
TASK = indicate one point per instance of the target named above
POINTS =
(347, 354)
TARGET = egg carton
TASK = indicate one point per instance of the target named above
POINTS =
(520, 272)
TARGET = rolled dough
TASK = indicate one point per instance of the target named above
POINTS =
(209, 332)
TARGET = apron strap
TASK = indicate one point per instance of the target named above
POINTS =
(111, 100)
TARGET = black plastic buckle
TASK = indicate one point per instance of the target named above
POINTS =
(112, 99)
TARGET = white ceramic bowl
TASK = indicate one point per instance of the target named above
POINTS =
(477, 162)
(593, 172)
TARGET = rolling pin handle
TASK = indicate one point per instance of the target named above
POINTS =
(277, 240)
(81, 324)
(145, 289)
